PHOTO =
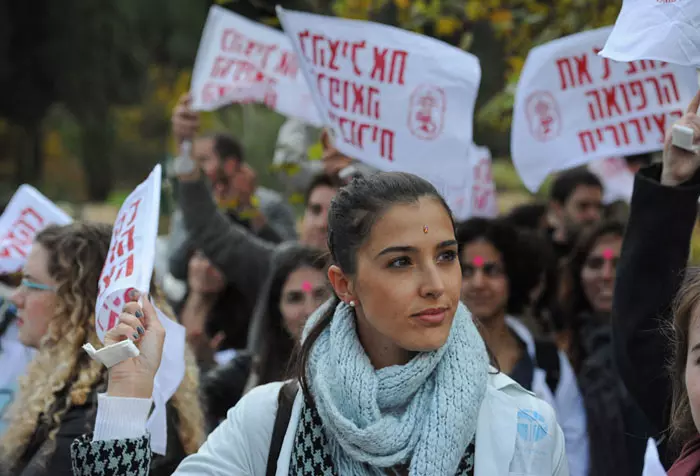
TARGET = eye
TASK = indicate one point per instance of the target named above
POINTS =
(294, 297)
(467, 270)
(399, 262)
(448, 255)
(315, 209)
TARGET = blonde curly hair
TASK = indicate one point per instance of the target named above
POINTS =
(61, 375)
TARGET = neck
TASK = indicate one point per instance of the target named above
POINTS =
(496, 334)
(382, 352)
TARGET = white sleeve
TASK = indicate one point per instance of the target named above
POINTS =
(240, 444)
(560, 463)
(571, 415)
(120, 418)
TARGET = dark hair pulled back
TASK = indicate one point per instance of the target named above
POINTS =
(352, 214)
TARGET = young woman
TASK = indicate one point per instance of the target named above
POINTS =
(394, 376)
(57, 396)
(497, 283)
(296, 287)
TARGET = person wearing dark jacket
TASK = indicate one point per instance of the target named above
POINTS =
(650, 273)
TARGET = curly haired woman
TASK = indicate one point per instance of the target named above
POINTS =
(58, 395)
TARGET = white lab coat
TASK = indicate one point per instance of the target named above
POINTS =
(517, 434)
(567, 401)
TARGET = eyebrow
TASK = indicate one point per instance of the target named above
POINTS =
(695, 347)
(413, 249)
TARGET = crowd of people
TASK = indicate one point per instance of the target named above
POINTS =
(377, 336)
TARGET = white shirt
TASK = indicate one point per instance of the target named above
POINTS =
(566, 400)
(517, 434)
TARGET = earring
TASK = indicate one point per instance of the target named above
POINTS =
(351, 303)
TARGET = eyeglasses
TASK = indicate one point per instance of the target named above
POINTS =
(36, 286)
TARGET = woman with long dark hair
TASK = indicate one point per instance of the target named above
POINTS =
(296, 287)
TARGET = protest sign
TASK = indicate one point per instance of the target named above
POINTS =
(661, 30)
(27, 213)
(394, 99)
(241, 61)
(131, 255)
(573, 106)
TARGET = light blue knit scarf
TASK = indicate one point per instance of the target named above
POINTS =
(424, 412)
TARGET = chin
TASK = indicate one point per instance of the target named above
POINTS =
(428, 340)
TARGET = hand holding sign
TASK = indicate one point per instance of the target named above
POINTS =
(185, 121)
(679, 164)
(134, 377)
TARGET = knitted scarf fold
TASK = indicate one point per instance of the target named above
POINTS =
(424, 412)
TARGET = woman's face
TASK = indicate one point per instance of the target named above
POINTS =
(304, 291)
(598, 272)
(35, 298)
(692, 366)
(408, 278)
(484, 282)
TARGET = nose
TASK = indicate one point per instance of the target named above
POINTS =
(432, 285)
(478, 279)
(608, 271)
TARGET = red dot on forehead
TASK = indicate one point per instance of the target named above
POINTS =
(478, 261)
(306, 286)
(608, 253)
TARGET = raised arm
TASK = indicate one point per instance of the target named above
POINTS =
(654, 256)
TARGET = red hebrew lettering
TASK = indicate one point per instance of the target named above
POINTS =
(426, 112)
(358, 45)
(586, 139)
(611, 100)
(114, 307)
(222, 67)
(640, 92)
(670, 77)
(482, 171)
(481, 196)
(319, 54)
(232, 41)
(613, 129)
(566, 73)
(543, 116)
(655, 82)
(303, 35)
(288, 65)
(334, 45)
(584, 77)
(20, 237)
(379, 68)
(634, 67)
(114, 272)
(591, 107)
(354, 133)
(625, 135)
(349, 96)
(660, 121)
(677, 114)
(606, 64)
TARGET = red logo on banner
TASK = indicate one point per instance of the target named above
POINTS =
(426, 114)
(543, 116)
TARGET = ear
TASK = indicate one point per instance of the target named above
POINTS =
(341, 284)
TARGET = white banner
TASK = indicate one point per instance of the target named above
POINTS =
(241, 61)
(27, 213)
(131, 256)
(662, 30)
(573, 106)
(394, 99)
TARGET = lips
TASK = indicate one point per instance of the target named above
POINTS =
(432, 316)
